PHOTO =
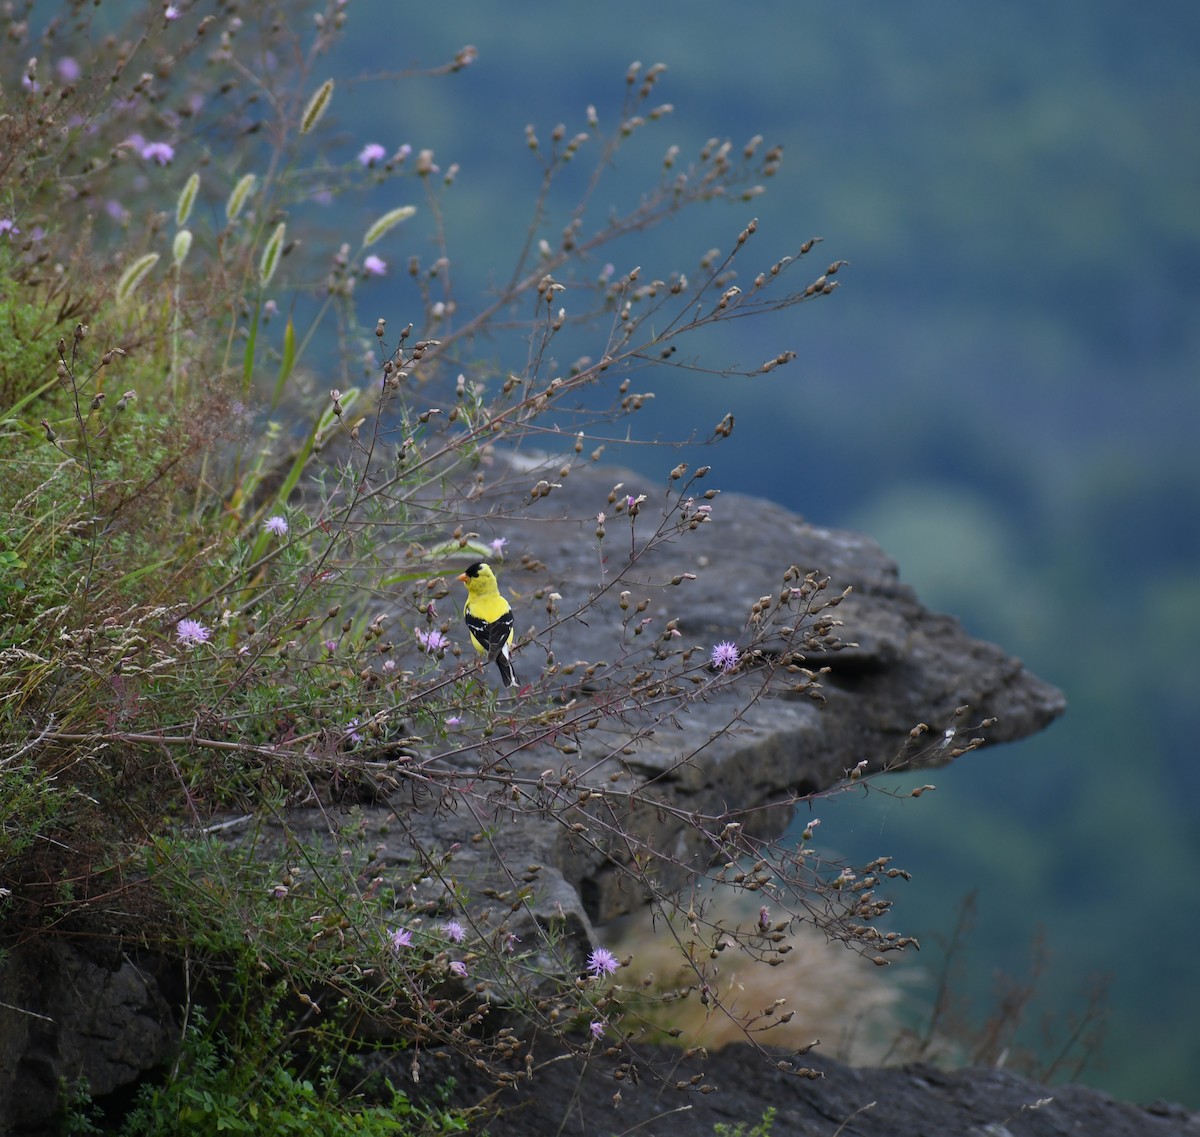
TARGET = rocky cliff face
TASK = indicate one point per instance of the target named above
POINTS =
(907, 666)
(894, 1101)
(902, 665)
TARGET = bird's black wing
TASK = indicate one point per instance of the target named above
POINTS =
(492, 635)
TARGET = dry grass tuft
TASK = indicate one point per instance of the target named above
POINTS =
(833, 993)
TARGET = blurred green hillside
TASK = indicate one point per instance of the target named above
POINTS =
(1004, 392)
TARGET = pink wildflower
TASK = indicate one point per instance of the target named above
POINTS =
(371, 153)
(160, 152)
(602, 962)
(431, 641)
(725, 656)
(191, 632)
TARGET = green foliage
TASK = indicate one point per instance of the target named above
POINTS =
(247, 1085)
(242, 1079)
(29, 803)
(24, 328)
(761, 1128)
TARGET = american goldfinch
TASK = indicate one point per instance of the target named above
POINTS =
(489, 619)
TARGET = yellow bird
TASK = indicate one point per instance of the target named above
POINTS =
(489, 619)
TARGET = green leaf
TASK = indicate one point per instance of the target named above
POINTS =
(136, 574)
(33, 396)
(286, 363)
(447, 551)
(324, 423)
(248, 355)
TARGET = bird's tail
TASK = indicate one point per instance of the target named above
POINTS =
(504, 663)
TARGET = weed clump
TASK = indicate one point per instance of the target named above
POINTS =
(233, 515)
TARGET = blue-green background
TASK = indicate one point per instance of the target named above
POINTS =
(1004, 392)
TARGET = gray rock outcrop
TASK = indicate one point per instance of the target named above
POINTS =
(906, 666)
(891, 1101)
(106, 1018)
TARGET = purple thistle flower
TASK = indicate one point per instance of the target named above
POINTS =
(277, 525)
(458, 968)
(68, 69)
(160, 152)
(400, 938)
(170, 12)
(371, 153)
(431, 641)
(352, 733)
(597, 1029)
(602, 962)
(454, 931)
(374, 266)
(191, 632)
(497, 546)
(725, 656)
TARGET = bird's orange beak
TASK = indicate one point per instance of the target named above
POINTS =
(463, 577)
